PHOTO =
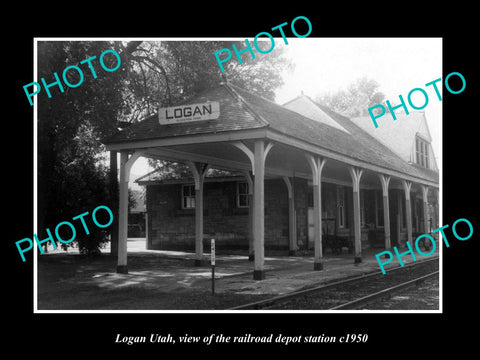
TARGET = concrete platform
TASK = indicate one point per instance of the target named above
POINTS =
(176, 271)
(287, 274)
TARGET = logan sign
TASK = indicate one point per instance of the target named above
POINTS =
(188, 113)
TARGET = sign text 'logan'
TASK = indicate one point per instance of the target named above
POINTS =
(188, 113)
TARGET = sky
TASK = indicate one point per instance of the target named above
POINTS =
(329, 64)
(399, 65)
(325, 65)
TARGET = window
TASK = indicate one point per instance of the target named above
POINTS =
(422, 152)
(188, 196)
(379, 208)
(242, 194)
(341, 207)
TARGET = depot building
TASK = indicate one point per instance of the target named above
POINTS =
(269, 177)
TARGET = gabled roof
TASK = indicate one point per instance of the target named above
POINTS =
(357, 143)
(233, 116)
(242, 110)
(399, 135)
(307, 107)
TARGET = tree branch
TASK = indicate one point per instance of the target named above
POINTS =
(132, 46)
(162, 71)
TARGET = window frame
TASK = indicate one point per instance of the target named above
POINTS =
(188, 205)
(247, 195)
(422, 152)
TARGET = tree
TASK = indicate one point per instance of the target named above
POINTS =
(355, 101)
(72, 175)
(166, 73)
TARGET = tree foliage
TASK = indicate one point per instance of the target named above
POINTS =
(166, 73)
(172, 170)
(72, 175)
(355, 101)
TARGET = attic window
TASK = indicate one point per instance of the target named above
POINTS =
(422, 152)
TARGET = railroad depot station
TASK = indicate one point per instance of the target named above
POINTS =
(266, 177)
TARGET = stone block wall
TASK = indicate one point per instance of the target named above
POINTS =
(171, 227)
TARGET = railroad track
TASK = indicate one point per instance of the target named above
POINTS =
(385, 293)
(350, 293)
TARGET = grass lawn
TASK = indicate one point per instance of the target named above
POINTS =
(72, 282)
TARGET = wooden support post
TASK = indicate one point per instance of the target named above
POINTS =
(385, 180)
(122, 216)
(292, 229)
(246, 150)
(249, 175)
(407, 185)
(356, 175)
(199, 170)
(316, 165)
(426, 227)
(125, 166)
(114, 192)
(249, 178)
(260, 154)
(199, 222)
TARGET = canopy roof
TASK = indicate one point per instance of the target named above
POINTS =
(242, 113)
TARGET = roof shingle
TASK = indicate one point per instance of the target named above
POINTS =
(242, 110)
(232, 117)
(357, 144)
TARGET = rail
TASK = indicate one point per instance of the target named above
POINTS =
(295, 294)
(354, 304)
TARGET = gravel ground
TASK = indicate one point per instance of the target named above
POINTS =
(343, 293)
(422, 297)
(71, 282)
(68, 281)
